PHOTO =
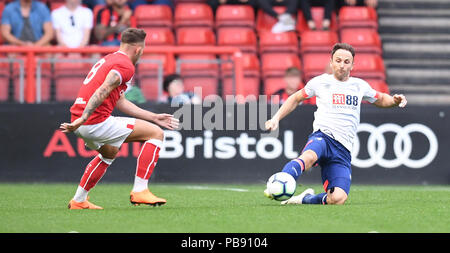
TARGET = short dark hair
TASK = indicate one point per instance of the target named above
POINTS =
(344, 46)
(292, 71)
(169, 79)
(133, 35)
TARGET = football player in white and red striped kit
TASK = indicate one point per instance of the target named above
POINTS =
(101, 92)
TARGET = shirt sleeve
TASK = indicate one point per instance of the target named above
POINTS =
(6, 16)
(310, 89)
(124, 70)
(45, 13)
(369, 94)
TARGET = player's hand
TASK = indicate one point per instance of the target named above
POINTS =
(70, 127)
(167, 121)
(271, 124)
(400, 100)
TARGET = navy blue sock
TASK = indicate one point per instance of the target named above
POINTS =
(320, 198)
(294, 167)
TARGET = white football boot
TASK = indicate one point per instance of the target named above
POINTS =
(297, 200)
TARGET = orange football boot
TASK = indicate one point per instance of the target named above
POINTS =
(146, 197)
(82, 205)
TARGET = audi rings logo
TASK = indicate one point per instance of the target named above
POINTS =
(376, 146)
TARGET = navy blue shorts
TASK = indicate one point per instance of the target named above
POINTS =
(333, 158)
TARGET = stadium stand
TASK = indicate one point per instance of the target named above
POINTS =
(252, 75)
(235, 15)
(279, 42)
(273, 67)
(193, 14)
(265, 55)
(153, 16)
(317, 41)
(317, 15)
(69, 76)
(358, 17)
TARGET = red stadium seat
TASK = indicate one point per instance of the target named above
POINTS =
(198, 36)
(208, 85)
(159, 37)
(45, 78)
(250, 65)
(275, 64)
(317, 41)
(314, 64)
(193, 14)
(363, 40)
(69, 76)
(369, 66)
(235, 15)
(251, 69)
(317, 15)
(199, 70)
(251, 87)
(264, 21)
(278, 42)
(198, 65)
(244, 38)
(378, 85)
(148, 15)
(358, 17)
(147, 74)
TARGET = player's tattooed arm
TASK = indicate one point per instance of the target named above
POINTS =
(111, 82)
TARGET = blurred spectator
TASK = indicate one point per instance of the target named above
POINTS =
(72, 23)
(134, 3)
(92, 3)
(26, 22)
(369, 3)
(173, 85)
(114, 18)
(286, 21)
(328, 5)
(216, 3)
(293, 81)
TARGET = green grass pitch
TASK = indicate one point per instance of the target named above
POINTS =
(220, 208)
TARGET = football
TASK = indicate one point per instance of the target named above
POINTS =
(281, 186)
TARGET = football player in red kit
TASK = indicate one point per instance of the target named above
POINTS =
(101, 92)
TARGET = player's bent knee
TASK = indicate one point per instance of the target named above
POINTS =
(309, 157)
(337, 197)
(159, 134)
(108, 151)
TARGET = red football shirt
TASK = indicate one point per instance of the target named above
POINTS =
(120, 64)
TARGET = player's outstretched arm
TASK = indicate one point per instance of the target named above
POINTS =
(163, 119)
(388, 101)
(111, 82)
(288, 106)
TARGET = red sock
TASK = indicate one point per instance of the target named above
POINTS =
(147, 159)
(94, 172)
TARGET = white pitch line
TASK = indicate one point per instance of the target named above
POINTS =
(214, 188)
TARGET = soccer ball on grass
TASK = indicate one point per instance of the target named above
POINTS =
(281, 186)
